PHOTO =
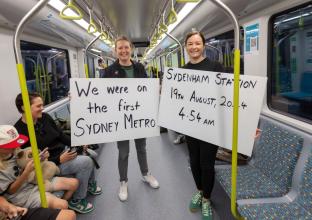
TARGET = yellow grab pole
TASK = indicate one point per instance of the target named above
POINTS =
(31, 131)
(22, 80)
(232, 16)
(235, 133)
(86, 70)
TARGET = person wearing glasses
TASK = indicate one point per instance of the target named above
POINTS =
(124, 67)
(13, 183)
(58, 144)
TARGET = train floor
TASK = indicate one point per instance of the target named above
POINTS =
(169, 164)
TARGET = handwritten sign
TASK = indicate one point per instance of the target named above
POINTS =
(106, 110)
(200, 104)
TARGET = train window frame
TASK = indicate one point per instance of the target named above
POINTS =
(271, 68)
(58, 79)
(228, 36)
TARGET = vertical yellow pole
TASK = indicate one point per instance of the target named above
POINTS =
(235, 133)
(31, 131)
(86, 70)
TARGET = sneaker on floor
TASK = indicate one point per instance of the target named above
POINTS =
(206, 210)
(93, 189)
(123, 191)
(151, 181)
(180, 139)
(81, 206)
(196, 201)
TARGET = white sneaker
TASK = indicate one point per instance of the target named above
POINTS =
(123, 191)
(151, 181)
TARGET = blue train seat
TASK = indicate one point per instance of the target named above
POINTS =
(294, 206)
(305, 93)
(269, 173)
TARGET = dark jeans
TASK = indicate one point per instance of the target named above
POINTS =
(202, 161)
(123, 147)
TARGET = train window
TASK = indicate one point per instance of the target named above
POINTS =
(91, 68)
(47, 70)
(290, 82)
(220, 48)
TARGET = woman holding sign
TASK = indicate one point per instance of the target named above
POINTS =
(124, 67)
(202, 154)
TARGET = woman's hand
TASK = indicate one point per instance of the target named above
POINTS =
(67, 156)
(258, 133)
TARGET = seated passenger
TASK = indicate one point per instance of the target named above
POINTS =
(49, 135)
(10, 211)
(13, 182)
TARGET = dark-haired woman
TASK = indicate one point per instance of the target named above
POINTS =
(202, 154)
(50, 136)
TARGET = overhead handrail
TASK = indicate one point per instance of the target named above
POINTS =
(75, 9)
(172, 16)
(85, 58)
(162, 26)
(233, 18)
(91, 23)
(171, 52)
(25, 96)
(104, 35)
(180, 45)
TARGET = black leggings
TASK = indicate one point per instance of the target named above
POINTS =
(202, 160)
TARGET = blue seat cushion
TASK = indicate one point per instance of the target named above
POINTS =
(286, 211)
(251, 183)
(299, 96)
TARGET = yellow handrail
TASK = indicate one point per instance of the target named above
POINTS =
(71, 6)
(25, 97)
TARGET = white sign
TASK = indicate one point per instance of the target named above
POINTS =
(200, 104)
(107, 110)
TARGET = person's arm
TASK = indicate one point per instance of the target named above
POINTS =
(22, 178)
(10, 210)
(64, 138)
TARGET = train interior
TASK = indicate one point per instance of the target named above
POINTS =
(275, 42)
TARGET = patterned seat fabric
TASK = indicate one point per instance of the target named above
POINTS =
(274, 159)
(300, 208)
(251, 183)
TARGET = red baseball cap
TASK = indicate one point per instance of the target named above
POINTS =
(9, 137)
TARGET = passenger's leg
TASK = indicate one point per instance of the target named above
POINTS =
(123, 147)
(194, 153)
(207, 161)
(56, 203)
(140, 145)
(81, 167)
(70, 185)
(66, 215)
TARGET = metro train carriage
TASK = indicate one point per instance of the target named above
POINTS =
(65, 52)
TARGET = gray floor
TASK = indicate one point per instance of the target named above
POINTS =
(169, 164)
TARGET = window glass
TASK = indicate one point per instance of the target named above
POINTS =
(290, 85)
(221, 49)
(47, 70)
(90, 60)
